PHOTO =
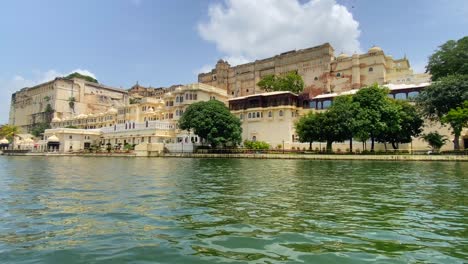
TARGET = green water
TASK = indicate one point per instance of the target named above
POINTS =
(119, 210)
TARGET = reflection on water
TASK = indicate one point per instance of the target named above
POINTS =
(119, 210)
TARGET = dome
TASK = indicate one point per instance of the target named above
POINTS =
(342, 56)
(112, 110)
(375, 49)
(56, 119)
(53, 138)
(4, 141)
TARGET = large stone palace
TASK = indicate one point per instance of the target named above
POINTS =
(82, 113)
(62, 98)
(321, 71)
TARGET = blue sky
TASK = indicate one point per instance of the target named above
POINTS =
(160, 43)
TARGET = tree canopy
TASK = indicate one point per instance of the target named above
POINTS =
(291, 82)
(457, 118)
(450, 59)
(212, 121)
(8, 131)
(369, 114)
(81, 76)
(437, 99)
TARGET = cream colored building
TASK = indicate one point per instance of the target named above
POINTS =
(268, 117)
(151, 121)
(321, 70)
(63, 99)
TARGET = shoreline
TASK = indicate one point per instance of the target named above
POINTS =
(456, 158)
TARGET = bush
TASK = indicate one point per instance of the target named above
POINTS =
(260, 145)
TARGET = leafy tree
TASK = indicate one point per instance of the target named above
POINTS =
(81, 76)
(307, 129)
(375, 114)
(291, 82)
(39, 128)
(458, 119)
(450, 59)
(9, 131)
(213, 122)
(268, 83)
(342, 116)
(402, 122)
(439, 98)
(435, 140)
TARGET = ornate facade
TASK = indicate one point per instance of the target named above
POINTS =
(321, 71)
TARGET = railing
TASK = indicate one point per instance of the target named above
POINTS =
(129, 126)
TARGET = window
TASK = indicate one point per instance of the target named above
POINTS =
(258, 114)
(247, 90)
(313, 104)
(316, 78)
(371, 69)
(326, 104)
(70, 137)
(412, 95)
(269, 114)
(281, 113)
(400, 96)
(338, 74)
(250, 115)
(241, 116)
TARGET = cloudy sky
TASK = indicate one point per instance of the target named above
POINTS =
(160, 43)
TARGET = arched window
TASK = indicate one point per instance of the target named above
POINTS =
(258, 114)
(254, 138)
(250, 115)
(269, 114)
(371, 69)
(316, 78)
(281, 113)
(338, 74)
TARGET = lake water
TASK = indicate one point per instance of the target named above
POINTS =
(155, 210)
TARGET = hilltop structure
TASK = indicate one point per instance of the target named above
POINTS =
(62, 98)
(321, 71)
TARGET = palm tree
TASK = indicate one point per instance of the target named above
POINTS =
(435, 140)
(9, 131)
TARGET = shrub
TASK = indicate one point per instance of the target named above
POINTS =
(256, 145)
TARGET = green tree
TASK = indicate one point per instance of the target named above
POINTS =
(342, 117)
(435, 140)
(450, 59)
(213, 122)
(307, 129)
(39, 128)
(374, 115)
(291, 82)
(458, 119)
(9, 131)
(402, 123)
(440, 97)
(268, 83)
(437, 99)
(81, 76)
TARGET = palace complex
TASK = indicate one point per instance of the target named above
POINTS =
(81, 114)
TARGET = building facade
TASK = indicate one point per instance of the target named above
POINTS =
(321, 71)
(62, 98)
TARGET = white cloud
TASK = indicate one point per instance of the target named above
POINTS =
(246, 30)
(17, 82)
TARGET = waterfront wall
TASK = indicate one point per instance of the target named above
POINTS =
(326, 157)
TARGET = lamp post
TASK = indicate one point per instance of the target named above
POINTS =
(283, 146)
